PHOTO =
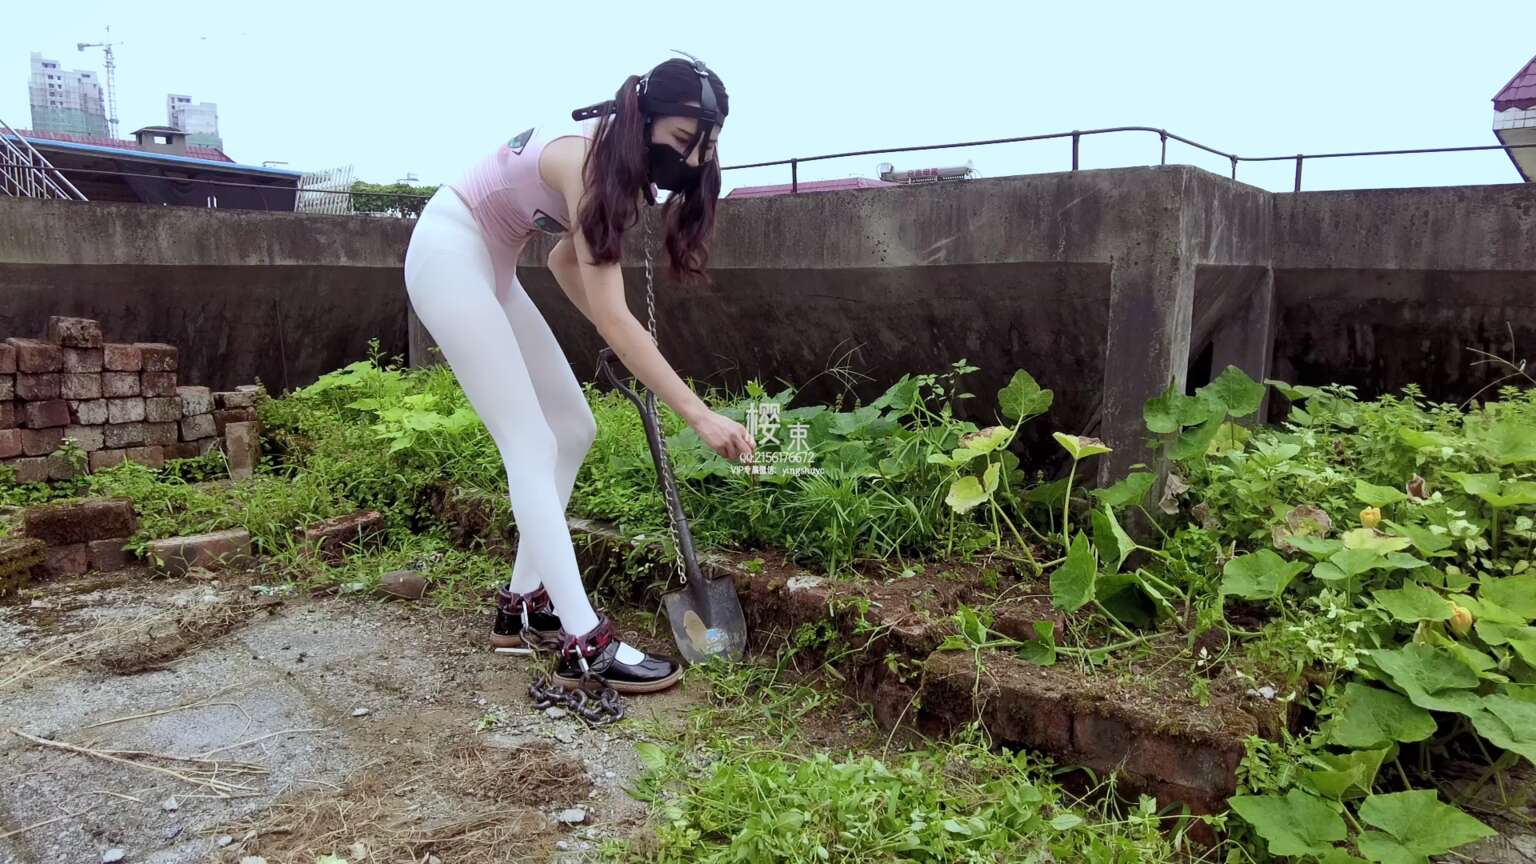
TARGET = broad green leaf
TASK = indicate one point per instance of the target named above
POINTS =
(1366, 538)
(1420, 823)
(1271, 454)
(1040, 650)
(1072, 584)
(1371, 717)
(1066, 822)
(901, 396)
(1474, 659)
(1514, 593)
(1240, 394)
(1321, 547)
(1080, 446)
(1421, 440)
(1129, 492)
(965, 493)
(1432, 677)
(989, 478)
(1413, 603)
(1512, 493)
(1262, 575)
(1113, 543)
(1049, 494)
(1520, 638)
(1339, 856)
(987, 440)
(1347, 775)
(1298, 824)
(1510, 441)
(1424, 540)
(970, 624)
(1293, 392)
(1023, 397)
(1519, 719)
(1172, 411)
(1484, 609)
(1346, 563)
(1477, 484)
(1230, 439)
(1377, 496)
(1194, 443)
(651, 756)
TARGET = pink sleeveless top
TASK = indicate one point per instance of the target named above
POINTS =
(505, 193)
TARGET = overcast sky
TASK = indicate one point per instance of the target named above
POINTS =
(429, 90)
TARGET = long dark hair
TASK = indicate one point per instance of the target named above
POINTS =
(615, 170)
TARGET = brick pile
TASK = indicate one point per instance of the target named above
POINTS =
(118, 401)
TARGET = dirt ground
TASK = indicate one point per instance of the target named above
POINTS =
(373, 730)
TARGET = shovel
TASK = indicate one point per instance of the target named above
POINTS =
(705, 614)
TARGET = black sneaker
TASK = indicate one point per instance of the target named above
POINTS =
(507, 632)
(597, 649)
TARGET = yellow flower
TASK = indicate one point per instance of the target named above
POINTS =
(1461, 620)
(1370, 517)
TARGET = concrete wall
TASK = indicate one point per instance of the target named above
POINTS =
(243, 294)
(1106, 285)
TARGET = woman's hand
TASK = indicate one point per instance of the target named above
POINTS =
(723, 435)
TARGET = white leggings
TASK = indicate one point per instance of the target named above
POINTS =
(464, 289)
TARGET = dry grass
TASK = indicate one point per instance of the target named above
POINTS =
(477, 804)
(153, 648)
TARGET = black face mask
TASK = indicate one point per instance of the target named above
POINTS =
(670, 170)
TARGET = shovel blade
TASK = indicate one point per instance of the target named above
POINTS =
(707, 621)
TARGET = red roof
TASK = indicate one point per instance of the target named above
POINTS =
(194, 151)
(1520, 92)
(808, 186)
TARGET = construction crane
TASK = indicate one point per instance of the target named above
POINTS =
(111, 77)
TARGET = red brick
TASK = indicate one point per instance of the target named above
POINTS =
(90, 438)
(118, 357)
(35, 355)
(71, 560)
(107, 458)
(216, 551)
(1194, 764)
(80, 521)
(331, 539)
(150, 457)
(80, 385)
(242, 445)
(30, 469)
(119, 385)
(158, 357)
(197, 427)
(10, 443)
(225, 416)
(108, 556)
(7, 358)
(235, 399)
(7, 388)
(162, 409)
(21, 558)
(124, 435)
(8, 415)
(161, 435)
(130, 410)
(82, 360)
(62, 467)
(45, 415)
(195, 400)
(158, 383)
(91, 412)
(41, 442)
(74, 332)
(39, 386)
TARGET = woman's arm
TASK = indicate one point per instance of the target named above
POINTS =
(601, 289)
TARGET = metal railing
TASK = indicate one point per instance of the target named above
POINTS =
(26, 173)
(409, 205)
(1077, 135)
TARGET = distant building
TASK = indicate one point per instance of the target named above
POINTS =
(200, 120)
(69, 102)
(160, 166)
(1514, 119)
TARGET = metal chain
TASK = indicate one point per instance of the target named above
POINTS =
(596, 703)
(666, 476)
